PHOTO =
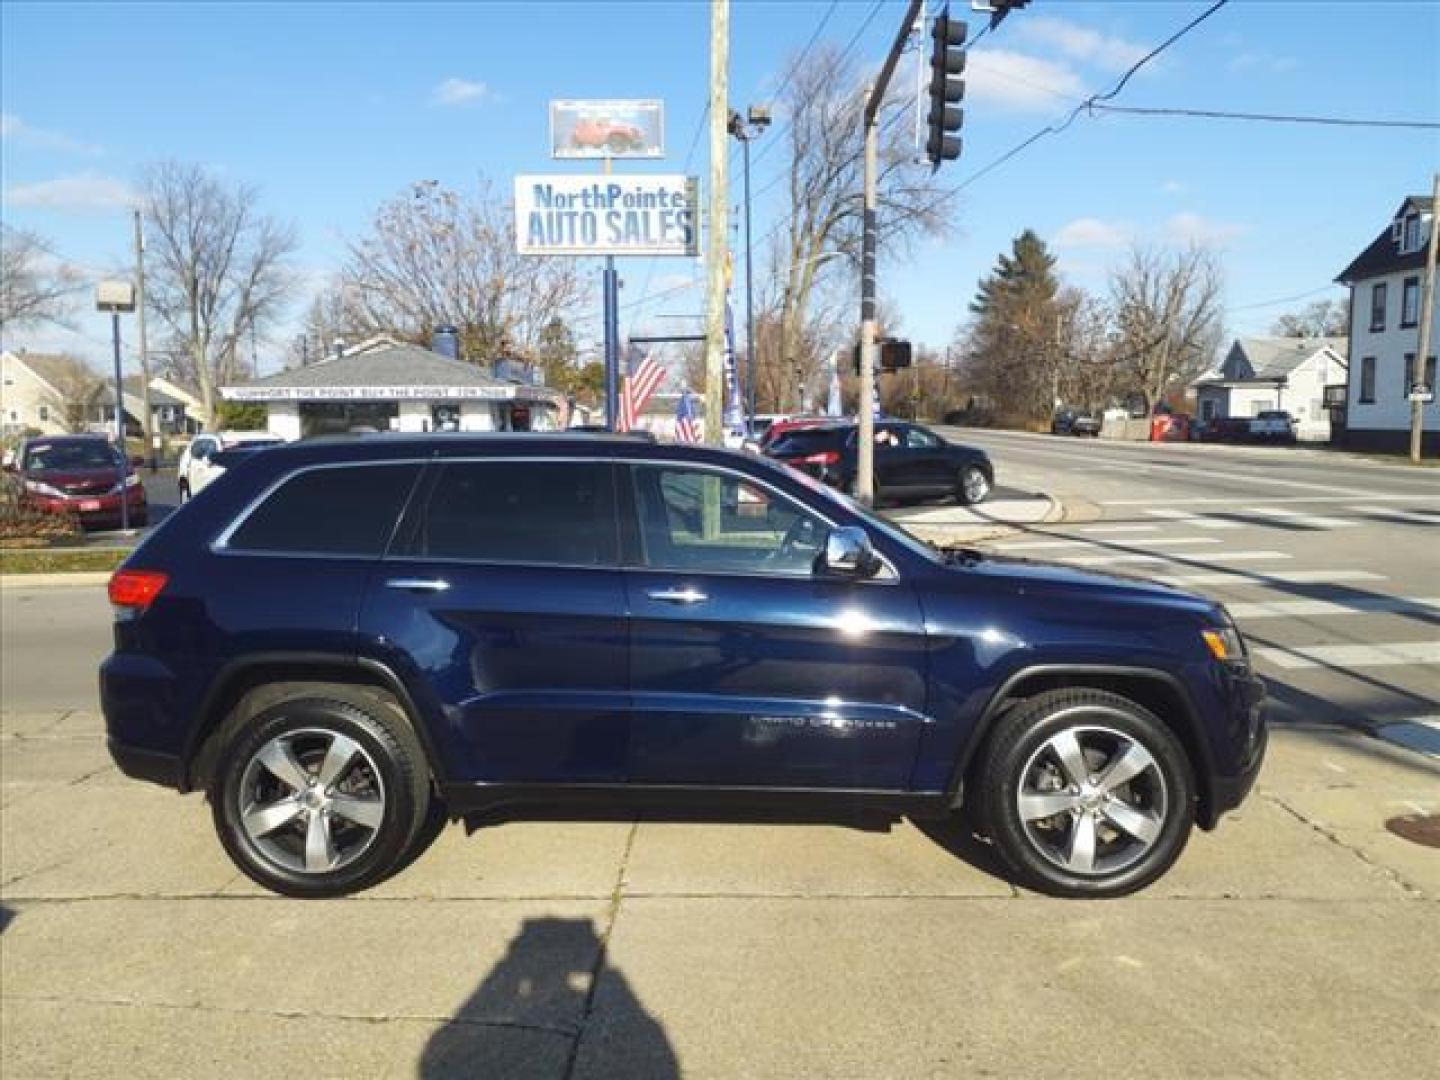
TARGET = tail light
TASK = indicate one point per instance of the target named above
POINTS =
(133, 591)
(829, 457)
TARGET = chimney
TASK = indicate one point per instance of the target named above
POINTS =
(445, 340)
(337, 348)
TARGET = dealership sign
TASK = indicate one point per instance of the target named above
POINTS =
(607, 129)
(606, 215)
(369, 393)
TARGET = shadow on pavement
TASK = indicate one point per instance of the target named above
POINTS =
(549, 981)
(6, 916)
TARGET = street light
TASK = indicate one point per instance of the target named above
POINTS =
(746, 130)
(115, 297)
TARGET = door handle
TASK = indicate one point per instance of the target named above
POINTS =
(411, 584)
(678, 596)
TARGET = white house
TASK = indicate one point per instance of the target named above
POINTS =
(40, 391)
(388, 385)
(1385, 283)
(1259, 374)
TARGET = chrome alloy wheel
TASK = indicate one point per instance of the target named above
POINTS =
(1092, 800)
(975, 486)
(311, 801)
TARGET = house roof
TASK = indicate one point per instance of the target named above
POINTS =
(1267, 359)
(133, 385)
(1383, 255)
(51, 368)
(386, 371)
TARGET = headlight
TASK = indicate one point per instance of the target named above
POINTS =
(131, 480)
(40, 488)
(1225, 643)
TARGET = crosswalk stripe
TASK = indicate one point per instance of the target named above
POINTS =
(1159, 542)
(1223, 557)
(1393, 654)
(1289, 577)
(1395, 514)
(1368, 605)
(1117, 528)
(1199, 521)
(1298, 518)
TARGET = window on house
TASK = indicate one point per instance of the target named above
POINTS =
(1377, 307)
(1410, 302)
(43, 412)
(1409, 374)
(1411, 239)
(1367, 380)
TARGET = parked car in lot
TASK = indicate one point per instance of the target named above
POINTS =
(1272, 425)
(786, 424)
(345, 634)
(84, 475)
(198, 464)
(911, 462)
(1070, 422)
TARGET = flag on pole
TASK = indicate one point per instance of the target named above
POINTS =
(833, 406)
(734, 411)
(687, 429)
(644, 376)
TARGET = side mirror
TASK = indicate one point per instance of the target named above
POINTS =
(848, 554)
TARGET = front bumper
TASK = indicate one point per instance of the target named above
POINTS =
(1247, 728)
(91, 510)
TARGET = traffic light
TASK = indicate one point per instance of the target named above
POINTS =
(947, 88)
(1000, 8)
(892, 354)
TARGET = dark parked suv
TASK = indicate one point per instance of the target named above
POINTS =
(345, 636)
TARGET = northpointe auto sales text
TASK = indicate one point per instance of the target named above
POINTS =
(609, 214)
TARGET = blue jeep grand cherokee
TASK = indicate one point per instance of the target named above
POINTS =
(341, 637)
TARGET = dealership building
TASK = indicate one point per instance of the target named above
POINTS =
(383, 384)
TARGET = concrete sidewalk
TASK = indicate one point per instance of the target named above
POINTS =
(1298, 940)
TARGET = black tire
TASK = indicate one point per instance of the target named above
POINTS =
(391, 765)
(972, 486)
(1020, 750)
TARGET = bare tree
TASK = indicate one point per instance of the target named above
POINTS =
(34, 286)
(1167, 314)
(438, 258)
(823, 217)
(1322, 318)
(75, 392)
(219, 269)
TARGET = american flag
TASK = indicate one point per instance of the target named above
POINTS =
(687, 430)
(635, 390)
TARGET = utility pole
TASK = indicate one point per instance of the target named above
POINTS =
(148, 422)
(715, 254)
(865, 472)
(1427, 321)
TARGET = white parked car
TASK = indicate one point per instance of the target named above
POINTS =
(196, 468)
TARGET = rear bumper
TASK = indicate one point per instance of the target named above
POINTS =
(142, 764)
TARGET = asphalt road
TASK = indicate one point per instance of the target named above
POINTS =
(1329, 563)
(1297, 940)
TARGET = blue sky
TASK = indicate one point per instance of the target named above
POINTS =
(332, 108)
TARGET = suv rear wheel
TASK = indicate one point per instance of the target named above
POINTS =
(320, 796)
(1086, 793)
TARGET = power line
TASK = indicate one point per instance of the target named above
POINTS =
(1285, 299)
(1056, 127)
(1273, 118)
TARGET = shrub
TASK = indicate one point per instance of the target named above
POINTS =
(24, 527)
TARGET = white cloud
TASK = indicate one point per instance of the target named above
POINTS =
(1081, 43)
(1173, 187)
(454, 91)
(13, 129)
(84, 192)
(1020, 81)
(1190, 228)
(1091, 232)
(1263, 61)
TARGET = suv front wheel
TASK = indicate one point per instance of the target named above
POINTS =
(1086, 793)
(320, 797)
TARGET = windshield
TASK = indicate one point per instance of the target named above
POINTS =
(65, 456)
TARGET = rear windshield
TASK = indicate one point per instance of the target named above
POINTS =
(61, 456)
(808, 441)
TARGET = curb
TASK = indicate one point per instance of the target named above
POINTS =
(75, 579)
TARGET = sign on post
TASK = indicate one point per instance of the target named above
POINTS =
(606, 215)
(1421, 392)
(607, 129)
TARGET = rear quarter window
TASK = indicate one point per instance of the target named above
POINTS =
(340, 510)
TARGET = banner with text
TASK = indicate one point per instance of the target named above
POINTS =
(607, 215)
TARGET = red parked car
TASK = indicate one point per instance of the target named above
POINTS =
(612, 134)
(84, 475)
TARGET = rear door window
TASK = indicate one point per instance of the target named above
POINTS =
(341, 510)
(554, 513)
(807, 441)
